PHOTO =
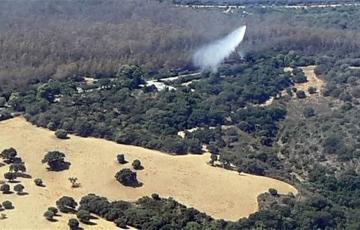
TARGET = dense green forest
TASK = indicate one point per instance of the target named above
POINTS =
(312, 144)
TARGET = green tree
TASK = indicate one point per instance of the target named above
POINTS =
(55, 160)
(19, 188)
(121, 158)
(66, 204)
(49, 215)
(7, 204)
(5, 188)
(83, 215)
(127, 177)
(10, 176)
(137, 164)
(8, 155)
(61, 134)
(39, 182)
(73, 224)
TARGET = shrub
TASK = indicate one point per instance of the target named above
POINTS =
(61, 134)
(7, 204)
(55, 161)
(53, 210)
(73, 224)
(49, 215)
(121, 158)
(5, 188)
(127, 177)
(300, 94)
(83, 215)
(19, 188)
(273, 191)
(38, 182)
(137, 164)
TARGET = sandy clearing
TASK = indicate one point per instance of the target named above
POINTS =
(189, 179)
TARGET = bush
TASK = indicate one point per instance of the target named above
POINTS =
(61, 134)
(49, 215)
(127, 177)
(73, 224)
(55, 161)
(5, 188)
(19, 188)
(38, 182)
(121, 159)
(83, 215)
(7, 204)
(300, 94)
(137, 164)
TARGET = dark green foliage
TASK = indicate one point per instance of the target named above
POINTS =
(38, 182)
(73, 224)
(121, 159)
(127, 177)
(11, 176)
(83, 215)
(19, 188)
(5, 188)
(9, 155)
(49, 215)
(61, 134)
(66, 204)
(53, 210)
(55, 161)
(137, 164)
(146, 213)
(7, 204)
(273, 192)
(300, 94)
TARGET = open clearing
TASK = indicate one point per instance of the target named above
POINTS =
(189, 179)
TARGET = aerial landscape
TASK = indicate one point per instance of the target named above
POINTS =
(180, 114)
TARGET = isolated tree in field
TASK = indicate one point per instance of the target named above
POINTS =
(137, 164)
(73, 224)
(55, 160)
(5, 188)
(121, 158)
(74, 183)
(213, 158)
(54, 210)
(38, 182)
(127, 177)
(9, 155)
(10, 176)
(61, 134)
(83, 215)
(7, 204)
(66, 204)
(49, 215)
(19, 188)
(17, 167)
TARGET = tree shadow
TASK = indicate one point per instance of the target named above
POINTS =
(23, 193)
(140, 168)
(14, 181)
(7, 193)
(24, 175)
(52, 220)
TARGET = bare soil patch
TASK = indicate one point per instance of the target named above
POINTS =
(189, 179)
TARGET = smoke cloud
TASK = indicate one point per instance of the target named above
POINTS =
(211, 55)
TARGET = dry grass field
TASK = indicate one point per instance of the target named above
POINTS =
(189, 179)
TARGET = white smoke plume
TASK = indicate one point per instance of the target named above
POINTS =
(211, 55)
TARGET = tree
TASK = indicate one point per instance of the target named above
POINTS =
(7, 204)
(273, 191)
(49, 215)
(61, 134)
(5, 188)
(39, 182)
(213, 149)
(10, 176)
(2, 101)
(121, 159)
(73, 224)
(17, 167)
(300, 94)
(83, 215)
(66, 204)
(53, 210)
(137, 164)
(127, 177)
(8, 155)
(19, 188)
(55, 160)
(213, 158)
(74, 183)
